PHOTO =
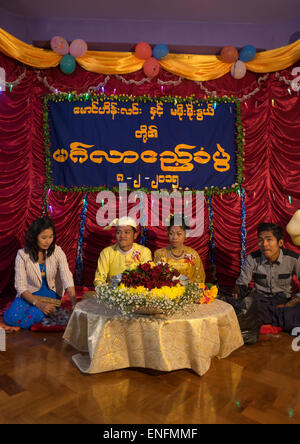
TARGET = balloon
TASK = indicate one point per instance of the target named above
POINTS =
(143, 51)
(293, 228)
(78, 48)
(59, 45)
(67, 64)
(247, 53)
(151, 67)
(229, 54)
(238, 69)
(160, 51)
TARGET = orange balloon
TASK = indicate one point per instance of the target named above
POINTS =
(151, 67)
(229, 54)
(143, 51)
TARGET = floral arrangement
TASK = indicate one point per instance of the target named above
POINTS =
(154, 287)
(208, 294)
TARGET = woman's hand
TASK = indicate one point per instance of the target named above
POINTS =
(72, 295)
(47, 309)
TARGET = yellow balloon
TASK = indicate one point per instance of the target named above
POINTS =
(293, 228)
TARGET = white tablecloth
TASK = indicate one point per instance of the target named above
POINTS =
(110, 342)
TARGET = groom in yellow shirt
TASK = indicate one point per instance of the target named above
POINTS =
(125, 254)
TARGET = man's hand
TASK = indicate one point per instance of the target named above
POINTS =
(292, 303)
(236, 292)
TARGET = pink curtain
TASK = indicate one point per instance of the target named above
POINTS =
(270, 117)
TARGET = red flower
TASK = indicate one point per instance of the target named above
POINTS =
(158, 276)
(146, 267)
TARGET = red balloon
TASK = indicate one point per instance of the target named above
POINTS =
(143, 51)
(229, 54)
(151, 67)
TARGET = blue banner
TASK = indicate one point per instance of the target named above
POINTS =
(154, 144)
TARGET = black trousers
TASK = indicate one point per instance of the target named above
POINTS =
(287, 318)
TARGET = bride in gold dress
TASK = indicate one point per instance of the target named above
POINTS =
(185, 259)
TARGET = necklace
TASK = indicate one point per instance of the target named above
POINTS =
(43, 270)
(177, 256)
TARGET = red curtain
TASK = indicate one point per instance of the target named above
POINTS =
(270, 117)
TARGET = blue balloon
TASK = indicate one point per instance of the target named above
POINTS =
(160, 51)
(247, 53)
(67, 64)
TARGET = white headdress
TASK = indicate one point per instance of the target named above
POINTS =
(122, 222)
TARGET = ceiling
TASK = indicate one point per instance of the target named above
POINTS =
(225, 11)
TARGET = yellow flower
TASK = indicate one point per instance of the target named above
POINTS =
(214, 291)
(157, 293)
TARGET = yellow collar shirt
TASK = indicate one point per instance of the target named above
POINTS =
(113, 261)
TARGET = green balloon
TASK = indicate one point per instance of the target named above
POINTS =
(67, 64)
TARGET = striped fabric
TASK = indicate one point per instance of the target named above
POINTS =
(28, 275)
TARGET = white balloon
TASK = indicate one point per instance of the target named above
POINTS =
(238, 69)
(293, 228)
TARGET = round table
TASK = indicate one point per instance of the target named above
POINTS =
(108, 341)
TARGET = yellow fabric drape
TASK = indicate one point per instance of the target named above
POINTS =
(195, 67)
(188, 66)
(27, 54)
(275, 59)
(105, 62)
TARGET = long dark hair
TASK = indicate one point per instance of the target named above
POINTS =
(31, 243)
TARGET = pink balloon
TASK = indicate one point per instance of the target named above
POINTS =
(78, 48)
(59, 45)
(151, 67)
(238, 70)
(143, 51)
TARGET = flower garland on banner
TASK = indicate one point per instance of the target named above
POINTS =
(15, 82)
(80, 240)
(101, 85)
(170, 82)
(241, 99)
(243, 227)
(54, 90)
(211, 232)
(286, 81)
(132, 81)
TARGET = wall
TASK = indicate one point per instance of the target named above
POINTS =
(171, 33)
